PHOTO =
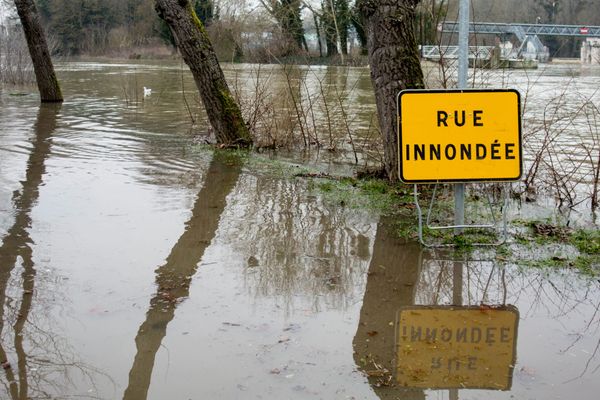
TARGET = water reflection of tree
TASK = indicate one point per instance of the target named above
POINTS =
(40, 355)
(298, 248)
(393, 275)
(174, 277)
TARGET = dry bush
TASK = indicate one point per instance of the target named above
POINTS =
(308, 107)
(562, 149)
(15, 63)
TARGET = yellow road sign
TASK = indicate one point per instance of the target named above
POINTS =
(459, 135)
(456, 347)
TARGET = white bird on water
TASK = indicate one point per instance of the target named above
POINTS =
(147, 91)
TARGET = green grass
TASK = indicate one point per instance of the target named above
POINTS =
(586, 241)
(585, 246)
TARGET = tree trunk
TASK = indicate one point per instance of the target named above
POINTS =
(197, 51)
(342, 11)
(358, 24)
(38, 49)
(395, 65)
(329, 28)
(319, 40)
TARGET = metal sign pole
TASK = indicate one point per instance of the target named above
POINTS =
(463, 72)
(459, 188)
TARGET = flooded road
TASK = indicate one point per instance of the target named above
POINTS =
(136, 265)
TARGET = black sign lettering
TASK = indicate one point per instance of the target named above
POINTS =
(442, 118)
(461, 122)
(460, 118)
(481, 151)
(466, 151)
(508, 150)
(477, 114)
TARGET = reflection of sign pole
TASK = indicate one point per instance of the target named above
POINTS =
(463, 71)
(457, 300)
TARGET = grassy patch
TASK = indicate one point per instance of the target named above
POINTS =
(580, 247)
(231, 156)
(586, 241)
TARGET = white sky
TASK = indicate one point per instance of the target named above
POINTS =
(3, 10)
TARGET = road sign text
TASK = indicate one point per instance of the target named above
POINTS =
(457, 136)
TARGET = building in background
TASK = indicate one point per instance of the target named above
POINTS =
(590, 51)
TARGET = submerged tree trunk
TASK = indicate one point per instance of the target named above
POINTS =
(395, 65)
(38, 49)
(197, 51)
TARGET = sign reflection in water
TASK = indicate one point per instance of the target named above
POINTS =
(456, 347)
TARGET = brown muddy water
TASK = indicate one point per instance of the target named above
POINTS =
(136, 265)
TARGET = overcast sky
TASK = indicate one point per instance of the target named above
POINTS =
(2, 11)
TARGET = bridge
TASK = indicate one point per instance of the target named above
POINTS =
(526, 34)
(521, 30)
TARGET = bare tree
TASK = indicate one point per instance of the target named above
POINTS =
(38, 49)
(197, 51)
(395, 65)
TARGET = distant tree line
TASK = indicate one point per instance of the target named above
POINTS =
(95, 26)
(101, 26)
(263, 29)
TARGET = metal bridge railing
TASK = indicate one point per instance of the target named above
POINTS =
(527, 29)
(451, 52)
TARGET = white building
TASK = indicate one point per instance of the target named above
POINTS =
(590, 51)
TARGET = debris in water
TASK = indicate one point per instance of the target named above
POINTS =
(283, 339)
(242, 387)
(252, 262)
(292, 327)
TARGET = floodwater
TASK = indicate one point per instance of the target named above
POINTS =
(136, 265)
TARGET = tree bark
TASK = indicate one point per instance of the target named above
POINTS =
(329, 28)
(395, 65)
(197, 51)
(38, 49)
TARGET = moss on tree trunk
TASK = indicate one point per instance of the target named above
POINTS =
(197, 51)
